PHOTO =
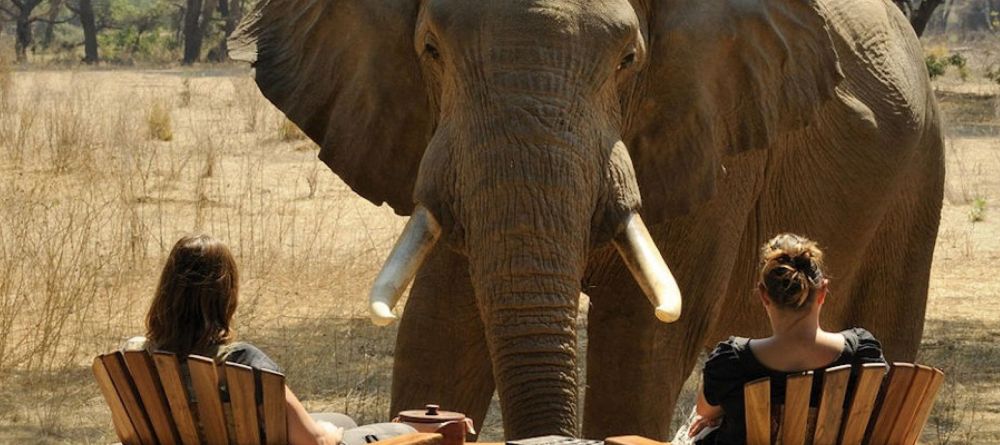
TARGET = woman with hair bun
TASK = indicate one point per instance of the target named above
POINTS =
(792, 288)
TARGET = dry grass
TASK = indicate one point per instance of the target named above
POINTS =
(159, 122)
(288, 131)
(93, 203)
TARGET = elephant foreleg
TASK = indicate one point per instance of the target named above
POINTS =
(889, 293)
(636, 365)
(441, 355)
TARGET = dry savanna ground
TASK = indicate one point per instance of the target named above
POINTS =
(103, 170)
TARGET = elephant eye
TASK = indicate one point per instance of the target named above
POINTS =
(627, 61)
(432, 51)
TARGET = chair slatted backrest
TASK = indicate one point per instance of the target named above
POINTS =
(151, 403)
(876, 409)
(795, 415)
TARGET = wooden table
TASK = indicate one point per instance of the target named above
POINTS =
(435, 439)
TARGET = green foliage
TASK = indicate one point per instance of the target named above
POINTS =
(978, 211)
(937, 65)
(138, 30)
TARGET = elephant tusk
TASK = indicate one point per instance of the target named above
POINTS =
(650, 271)
(414, 244)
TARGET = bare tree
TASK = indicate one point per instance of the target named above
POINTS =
(49, 28)
(85, 9)
(231, 12)
(197, 19)
(922, 15)
(21, 12)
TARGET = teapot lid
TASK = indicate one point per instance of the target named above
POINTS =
(431, 414)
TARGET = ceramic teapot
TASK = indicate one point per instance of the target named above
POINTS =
(451, 425)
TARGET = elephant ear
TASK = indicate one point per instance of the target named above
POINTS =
(346, 73)
(724, 76)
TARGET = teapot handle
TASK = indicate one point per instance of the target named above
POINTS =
(469, 427)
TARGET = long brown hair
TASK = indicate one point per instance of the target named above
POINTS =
(791, 270)
(196, 297)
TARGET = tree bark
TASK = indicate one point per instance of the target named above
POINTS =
(23, 38)
(22, 26)
(922, 15)
(232, 12)
(89, 25)
(192, 32)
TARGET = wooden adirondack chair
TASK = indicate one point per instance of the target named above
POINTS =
(150, 403)
(880, 411)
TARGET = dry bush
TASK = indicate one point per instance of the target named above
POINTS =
(159, 122)
(249, 102)
(17, 131)
(288, 131)
(312, 178)
(185, 94)
(71, 132)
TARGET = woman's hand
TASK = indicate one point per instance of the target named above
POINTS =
(332, 432)
(706, 415)
(701, 422)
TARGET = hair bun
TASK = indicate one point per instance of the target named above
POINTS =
(791, 270)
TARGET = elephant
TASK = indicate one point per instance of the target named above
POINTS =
(545, 148)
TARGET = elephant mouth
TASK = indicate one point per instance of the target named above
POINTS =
(422, 232)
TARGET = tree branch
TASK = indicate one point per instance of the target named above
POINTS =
(922, 15)
(51, 22)
(9, 12)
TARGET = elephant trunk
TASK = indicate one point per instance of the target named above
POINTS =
(527, 247)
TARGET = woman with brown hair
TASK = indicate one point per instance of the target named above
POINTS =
(192, 313)
(792, 288)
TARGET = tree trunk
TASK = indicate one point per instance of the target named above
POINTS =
(922, 15)
(192, 32)
(22, 35)
(49, 29)
(232, 12)
(89, 32)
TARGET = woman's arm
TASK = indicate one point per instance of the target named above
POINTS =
(707, 415)
(303, 430)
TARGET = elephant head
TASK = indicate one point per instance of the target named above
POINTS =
(527, 133)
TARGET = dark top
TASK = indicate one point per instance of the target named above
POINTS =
(246, 354)
(732, 364)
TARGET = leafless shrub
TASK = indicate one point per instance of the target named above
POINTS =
(312, 178)
(185, 94)
(70, 133)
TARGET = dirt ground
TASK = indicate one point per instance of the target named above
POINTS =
(88, 192)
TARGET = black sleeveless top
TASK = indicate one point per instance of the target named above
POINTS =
(732, 364)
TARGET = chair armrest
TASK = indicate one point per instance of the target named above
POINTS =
(413, 439)
(632, 440)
